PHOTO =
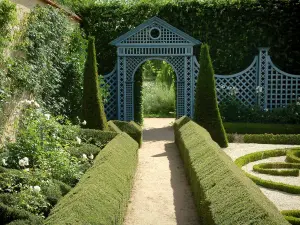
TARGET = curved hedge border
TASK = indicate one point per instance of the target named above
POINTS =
(293, 216)
(268, 168)
(293, 155)
(102, 194)
(241, 161)
(222, 193)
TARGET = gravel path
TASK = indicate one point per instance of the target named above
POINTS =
(161, 194)
(282, 200)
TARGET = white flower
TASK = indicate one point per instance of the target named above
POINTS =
(26, 160)
(296, 114)
(4, 162)
(37, 105)
(22, 162)
(266, 109)
(91, 156)
(84, 123)
(78, 140)
(47, 116)
(36, 189)
(298, 103)
(26, 170)
(84, 156)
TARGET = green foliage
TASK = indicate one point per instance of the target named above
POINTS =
(261, 128)
(131, 128)
(97, 137)
(7, 19)
(166, 75)
(51, 55)
(223, 194)
(293, 216)
(113, 127)
(288, 139)
(233, 29)
(270, 168)
(206, 112)
(158, 100)
(233, 110)
(87, 149)
(241, 161)
(293, 156)
(92, 106)
(105, 187)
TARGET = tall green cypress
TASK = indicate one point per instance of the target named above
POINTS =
(207, 112)
(92, 106)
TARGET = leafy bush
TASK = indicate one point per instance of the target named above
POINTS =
(105, 187)
(293, 156)
(233, 110)
(289, 139)
(241, 161)
(223, 194)
(92, 107)
(158, 100)
(97, 137)
(206, 111)
(269, 168)
(261, 128)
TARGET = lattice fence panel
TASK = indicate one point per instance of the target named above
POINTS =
(282, 88)
(111, 105)
(241, 85)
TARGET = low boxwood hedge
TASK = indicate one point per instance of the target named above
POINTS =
(259, 128)
(289, 139)
(102, 193)
(222, 192)
(97, 137)
(241, 161)
(293, 216)
(131, 128)
(276, 169)
(293, 155)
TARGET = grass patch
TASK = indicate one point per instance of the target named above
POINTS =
(259, 128)
(271, 168)
(102, 194)
(240, 162)
(222, 193)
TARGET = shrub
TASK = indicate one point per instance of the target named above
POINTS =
(222, 193)
(241, 161)
(260, 128)
(131, 128)
(288, 139)
(105, 187)
(113, 127)
(206, 107)
(269, 168)
(88, 149)
(92, 107)
(293, 156)
(97, 137)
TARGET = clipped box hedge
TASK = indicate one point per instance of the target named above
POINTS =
(102, 193)
(222, 192)
(259, 128)
(288, 139)
(131, 128)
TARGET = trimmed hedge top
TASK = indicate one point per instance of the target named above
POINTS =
(223, 194)
(101, 195)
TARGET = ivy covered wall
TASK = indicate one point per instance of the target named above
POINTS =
(233, 30)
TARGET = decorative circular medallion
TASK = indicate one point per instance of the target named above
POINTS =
(154, 33)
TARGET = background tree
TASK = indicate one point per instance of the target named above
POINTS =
(92, 107)
(207, 112)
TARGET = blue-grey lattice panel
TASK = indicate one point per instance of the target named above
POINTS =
(111, 106)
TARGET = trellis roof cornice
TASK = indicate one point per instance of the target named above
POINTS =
(188, 40)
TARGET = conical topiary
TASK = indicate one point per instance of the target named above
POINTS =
(207, 112)
(92, 106)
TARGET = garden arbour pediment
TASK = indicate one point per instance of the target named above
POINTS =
(153, 39)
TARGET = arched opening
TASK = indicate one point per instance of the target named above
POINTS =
(154, 90)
